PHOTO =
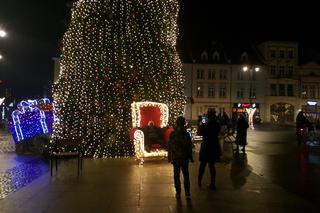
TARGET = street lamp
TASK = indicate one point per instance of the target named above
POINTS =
(252, 109)
(3, 33)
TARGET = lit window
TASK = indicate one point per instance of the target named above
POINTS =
(211, 91)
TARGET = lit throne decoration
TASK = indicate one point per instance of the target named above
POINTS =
(142, 114)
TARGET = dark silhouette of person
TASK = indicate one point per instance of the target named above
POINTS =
(234, 121)
(241, 138)
(225, 120)
(152, 136)
(210, 150)
(301, 124)
(301, 120)
(179, 154)
(199, 122)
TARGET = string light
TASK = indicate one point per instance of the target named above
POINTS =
(116, 53)
(32, 118)
(138, 137)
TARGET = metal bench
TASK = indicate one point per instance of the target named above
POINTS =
(57, 153)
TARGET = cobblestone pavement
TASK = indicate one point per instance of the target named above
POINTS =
(6, 143)
(21, 175)
(263, 180)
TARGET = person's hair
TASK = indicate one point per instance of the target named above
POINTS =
(181, 121)
(211, 114)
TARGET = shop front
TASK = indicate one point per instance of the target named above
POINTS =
(312, 111)
(282, 112)
(242, 108)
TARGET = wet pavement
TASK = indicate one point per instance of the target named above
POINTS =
(275, 175)
(6, 142)
(24, 171)
(273, 153)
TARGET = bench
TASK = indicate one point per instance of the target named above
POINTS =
(57, 153)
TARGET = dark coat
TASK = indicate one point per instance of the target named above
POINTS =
(301, 121)
(180, 146)
(152, 135)
(242, 126)
(210, 150)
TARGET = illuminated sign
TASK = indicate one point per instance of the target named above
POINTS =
(245, 105)
(311, 103)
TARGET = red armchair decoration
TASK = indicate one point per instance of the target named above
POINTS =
(144, 113)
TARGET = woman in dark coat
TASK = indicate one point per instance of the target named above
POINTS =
(210, 150)
(241, 138)
(179, 154)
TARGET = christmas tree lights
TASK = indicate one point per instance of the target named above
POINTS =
(116, 52)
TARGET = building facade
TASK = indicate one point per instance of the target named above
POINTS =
(214, 82)
(282, 81)
(309, 90)
(278, 91)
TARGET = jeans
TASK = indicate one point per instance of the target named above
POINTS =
(212, 172)
(185, 171)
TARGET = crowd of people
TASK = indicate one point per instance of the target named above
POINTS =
(180, 146)
(211, 127)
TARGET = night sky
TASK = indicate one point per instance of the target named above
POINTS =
(35, 28)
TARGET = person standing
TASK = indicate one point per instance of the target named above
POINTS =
(301, 124)
(234, 122)
(179, 154)
(241, 138)
(225, 124)
(210, 150)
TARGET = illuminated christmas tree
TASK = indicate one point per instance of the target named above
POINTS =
(116, 52)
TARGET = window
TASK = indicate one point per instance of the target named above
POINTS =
(244, 57)
(240, 75)
(312, 91)
(304, 91)
(273, 90)
(216, 56)
(282, 90)
(253, 93)
(290, 70)
(290, 90)
(254, 75)
(281, 70)
(223, 74)
(240, 93)
(200, 110)
(200, 74)
(272, 53)
(211, 91)
(199, 91)
(204, 56)
(222, 92)
(211, 74)
(273, 69)
(290, 54)
(281, 54)
(210, 108)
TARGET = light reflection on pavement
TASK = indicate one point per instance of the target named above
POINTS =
(274, 154)
(21, 175)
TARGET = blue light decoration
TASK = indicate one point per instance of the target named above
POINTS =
(32, 118)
